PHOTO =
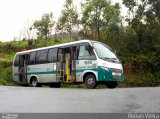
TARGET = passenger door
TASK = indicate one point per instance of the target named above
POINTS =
(60, 65)
(22, 69)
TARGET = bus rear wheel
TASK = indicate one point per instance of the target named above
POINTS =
(111, 84)
(90, 81)
(34, 82)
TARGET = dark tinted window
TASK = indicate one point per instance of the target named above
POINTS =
(41, 56)
(52, 55)
(16, 61)
(32, 58)
(21, 60)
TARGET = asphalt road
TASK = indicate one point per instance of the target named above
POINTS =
(64, 100)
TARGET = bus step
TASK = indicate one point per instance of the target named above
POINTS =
(70, 81)
(59, 76)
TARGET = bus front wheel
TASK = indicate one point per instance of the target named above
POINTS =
(90, 81)
(111, 84)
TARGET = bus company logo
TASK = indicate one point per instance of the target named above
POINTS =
(87, 62)
(9, 116)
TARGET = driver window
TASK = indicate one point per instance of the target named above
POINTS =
(85, 54)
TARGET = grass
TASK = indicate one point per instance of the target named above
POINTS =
(6, 74)
(140, 80)
(15, 43)
(6, 68)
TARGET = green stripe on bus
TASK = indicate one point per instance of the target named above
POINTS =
(54, 72)
(38, 73)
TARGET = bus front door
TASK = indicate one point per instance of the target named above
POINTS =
(66, 64)
(60, 65)
(22, 69)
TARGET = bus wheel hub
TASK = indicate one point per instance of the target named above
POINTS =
(90, 81)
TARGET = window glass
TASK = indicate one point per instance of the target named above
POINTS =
(21, 60)
(41, 56)
(103, 51)
(60, 52)
(32, 58)
(85, 54)
(52, 55)
(16, 61)
(74, 53)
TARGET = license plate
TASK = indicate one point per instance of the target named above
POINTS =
(117, 74)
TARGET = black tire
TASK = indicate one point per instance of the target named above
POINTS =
(55, 85)
(34, 82)
(90, 81)
(111, 84)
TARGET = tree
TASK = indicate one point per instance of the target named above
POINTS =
(146, 22)
(44, 26)
(130, 4)
(112, 20)
(68, 18)
(99, 15)
(28, 32)
(92, 17)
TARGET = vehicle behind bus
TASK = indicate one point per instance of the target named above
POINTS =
(84, 61)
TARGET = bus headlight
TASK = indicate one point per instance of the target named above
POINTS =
(105, 68)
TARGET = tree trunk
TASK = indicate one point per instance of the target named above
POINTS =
(98, 32)
(70, 33)
(46, 40)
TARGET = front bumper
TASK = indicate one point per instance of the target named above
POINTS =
(110, 74)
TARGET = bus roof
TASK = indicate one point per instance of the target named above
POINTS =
(59, 45)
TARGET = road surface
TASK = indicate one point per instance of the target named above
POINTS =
(64, 100)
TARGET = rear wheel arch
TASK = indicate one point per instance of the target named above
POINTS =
(34, 82)
(33, 77)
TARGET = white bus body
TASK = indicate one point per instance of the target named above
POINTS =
(85, 61)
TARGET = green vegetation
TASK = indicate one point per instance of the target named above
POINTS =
(44, 26)
(6, 69)
(136, 37)
(68, 18)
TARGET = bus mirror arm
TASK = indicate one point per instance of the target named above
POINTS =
(115, 51)
(89, 47)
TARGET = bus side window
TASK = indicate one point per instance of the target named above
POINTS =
(16, 61)
(52, 55)
(32, 58)
(41, 56)
(21, 61)
(74, 53)
(60, 53)
(85, 54)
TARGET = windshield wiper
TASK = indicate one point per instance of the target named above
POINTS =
(113, 58)
(110, 59)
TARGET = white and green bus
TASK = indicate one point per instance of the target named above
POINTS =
(83, 61)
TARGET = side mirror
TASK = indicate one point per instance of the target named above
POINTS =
(89, 47)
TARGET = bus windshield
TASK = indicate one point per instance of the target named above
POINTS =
(104, 52)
